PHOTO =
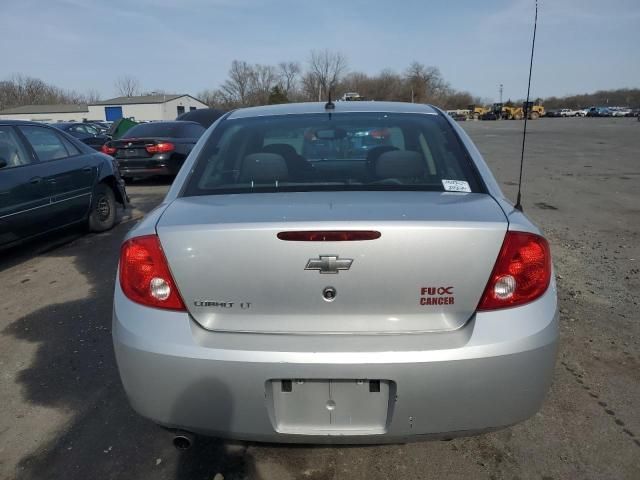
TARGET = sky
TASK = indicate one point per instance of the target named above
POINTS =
(186, 46)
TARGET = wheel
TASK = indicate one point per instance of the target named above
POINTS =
(103, 209)
(534, 115)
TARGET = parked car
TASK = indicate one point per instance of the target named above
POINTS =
(104, 126)
(49, 180)
(568, 112)
(85, 132)
(489, 116)
(371, 298)
(599, 112)
(156, 148)
(458, 115)
(552, 113)
(620, 112)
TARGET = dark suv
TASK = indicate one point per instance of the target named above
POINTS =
(49, 179)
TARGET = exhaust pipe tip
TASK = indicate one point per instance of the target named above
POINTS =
(183, 440)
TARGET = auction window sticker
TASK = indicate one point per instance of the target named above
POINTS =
(456, 186)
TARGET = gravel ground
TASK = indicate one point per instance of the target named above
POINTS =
(64, 414)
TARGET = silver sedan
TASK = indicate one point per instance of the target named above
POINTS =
(335, 273)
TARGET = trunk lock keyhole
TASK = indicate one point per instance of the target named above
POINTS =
(329, 294)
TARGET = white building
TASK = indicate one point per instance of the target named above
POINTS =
(47, 113)
(140, 108)
(145, 107)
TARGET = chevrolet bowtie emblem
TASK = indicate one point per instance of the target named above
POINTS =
(329, 264)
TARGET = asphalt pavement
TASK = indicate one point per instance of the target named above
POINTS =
(64, 413)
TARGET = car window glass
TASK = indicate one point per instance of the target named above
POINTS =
(46, 143)
(11, 150)
(71, 148)
(154, 129)
(354, 151)
(91, 130)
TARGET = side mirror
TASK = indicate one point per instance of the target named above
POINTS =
(3, 163)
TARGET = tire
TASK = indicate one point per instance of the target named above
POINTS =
(534, 116)
(103, 212)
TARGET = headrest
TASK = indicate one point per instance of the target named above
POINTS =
(263, 168)
(7, 150)
(280, 148)
(399, 164)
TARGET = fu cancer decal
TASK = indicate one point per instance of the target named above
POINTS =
(437, 296)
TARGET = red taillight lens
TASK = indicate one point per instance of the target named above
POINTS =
(329, 235)
(108, 149)
(161, 147)
(380, 133)
(144, 274)
(521, 274)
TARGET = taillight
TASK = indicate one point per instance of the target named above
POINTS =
(521, 274)
(144, 274)
(108, 149)
(161, 147)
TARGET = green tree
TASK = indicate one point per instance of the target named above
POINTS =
(277, 96)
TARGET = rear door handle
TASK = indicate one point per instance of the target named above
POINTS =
(51, 181)
(87, 169)
(35, 180)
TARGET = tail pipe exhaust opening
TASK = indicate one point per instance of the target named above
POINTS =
(183, 440)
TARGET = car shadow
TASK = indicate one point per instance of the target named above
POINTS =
(73, 370)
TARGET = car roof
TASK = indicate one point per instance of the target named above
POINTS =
(21, 122)
(340, 107)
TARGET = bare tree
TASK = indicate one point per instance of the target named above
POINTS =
(259, 84)
(20, 90)
(127, 86)
(426, 83)
(311, 89)
(289, 74)
(237, 87)
(263, 79)
(327, 67)
(92, 96)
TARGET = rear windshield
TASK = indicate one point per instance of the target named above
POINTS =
(344, 151)
(173, 130)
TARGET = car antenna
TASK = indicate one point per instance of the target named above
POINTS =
(329, 105)
(518, 205)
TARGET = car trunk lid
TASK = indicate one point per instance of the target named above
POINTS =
(425, 272)
(128, 148)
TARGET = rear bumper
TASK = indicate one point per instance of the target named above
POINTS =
(149, 171)
(160, 164)
(493, 372)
